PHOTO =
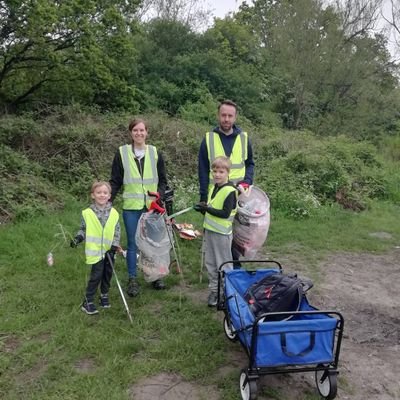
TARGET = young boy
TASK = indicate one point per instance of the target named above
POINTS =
(101, 231)
(219, 211)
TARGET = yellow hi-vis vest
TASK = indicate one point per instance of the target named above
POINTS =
(237, 157)
(136, 186)
(216, 224)
(98, 238)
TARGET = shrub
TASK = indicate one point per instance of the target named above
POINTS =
(301, 172)
(64, 150)
(24, 191)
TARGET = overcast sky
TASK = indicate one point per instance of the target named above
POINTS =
(223, 7)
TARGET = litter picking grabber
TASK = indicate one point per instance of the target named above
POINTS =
(201, 261)
(174, 250)
(185, 210)
(120, 289)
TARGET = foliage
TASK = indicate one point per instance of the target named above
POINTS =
(57, 52)
(24, 191)
(324, 77)
(301, 65)
(68, 148)
(301, 172)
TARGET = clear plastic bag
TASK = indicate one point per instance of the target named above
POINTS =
(251, 223)
(154, 243)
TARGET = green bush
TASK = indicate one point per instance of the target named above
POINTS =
(65, 149)
(301, 172)
(25, 193)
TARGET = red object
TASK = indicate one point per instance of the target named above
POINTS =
(156, 204)
(154, 194)
(244, 185)
(156, 207)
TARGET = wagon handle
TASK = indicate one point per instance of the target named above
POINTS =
(251, 261)
(301, 353)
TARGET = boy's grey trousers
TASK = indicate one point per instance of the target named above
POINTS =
(217, 249)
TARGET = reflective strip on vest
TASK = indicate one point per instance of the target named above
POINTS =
(136, 185)
(98, 238)
(237, 157)
(216, 224)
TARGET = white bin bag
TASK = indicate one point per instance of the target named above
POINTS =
(251, 223)
(154, 244)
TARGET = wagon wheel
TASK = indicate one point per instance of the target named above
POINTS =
(229, 331)
(326, 381)
(248, 387)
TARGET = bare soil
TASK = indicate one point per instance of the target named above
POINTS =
(365, 289)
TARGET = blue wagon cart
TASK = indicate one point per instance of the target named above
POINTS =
(305, 340)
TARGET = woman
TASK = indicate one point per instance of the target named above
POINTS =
(140, 169)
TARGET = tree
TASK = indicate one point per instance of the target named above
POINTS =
(392, 16)
(46, 44)
(192, 13)
(329, 73)
(358, 17)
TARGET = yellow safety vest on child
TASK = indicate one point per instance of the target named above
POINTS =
(98, 238)
(216, 224)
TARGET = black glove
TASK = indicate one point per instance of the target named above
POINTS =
(75, 241)
(201, 207)
(112, 251)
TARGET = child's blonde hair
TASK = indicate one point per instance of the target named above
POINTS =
(97, 184)
(222, 162)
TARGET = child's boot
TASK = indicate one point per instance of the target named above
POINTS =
(104, 301)
(89, 308)
(212, 299)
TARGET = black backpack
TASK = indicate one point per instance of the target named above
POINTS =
(276, 293)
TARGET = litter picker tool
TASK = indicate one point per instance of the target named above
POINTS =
(174, 248)
(179, 213)
(120, 289)
(202, 261)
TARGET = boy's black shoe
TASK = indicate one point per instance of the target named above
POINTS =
(159, 284)
(89, 308)
(133, 287)
(104, 302)
(212, 299)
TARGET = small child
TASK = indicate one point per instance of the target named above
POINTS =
(219, 213)
(101, 231)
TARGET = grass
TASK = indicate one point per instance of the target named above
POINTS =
(335, 229)
(331, 230)
(45, 339)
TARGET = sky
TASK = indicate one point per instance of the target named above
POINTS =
(223, 7)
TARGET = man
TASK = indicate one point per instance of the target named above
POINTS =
(227, 139)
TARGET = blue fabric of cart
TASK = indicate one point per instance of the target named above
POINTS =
(236, 283)
(298, 341)
(304, 339)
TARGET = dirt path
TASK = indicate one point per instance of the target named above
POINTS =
(365, 289)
